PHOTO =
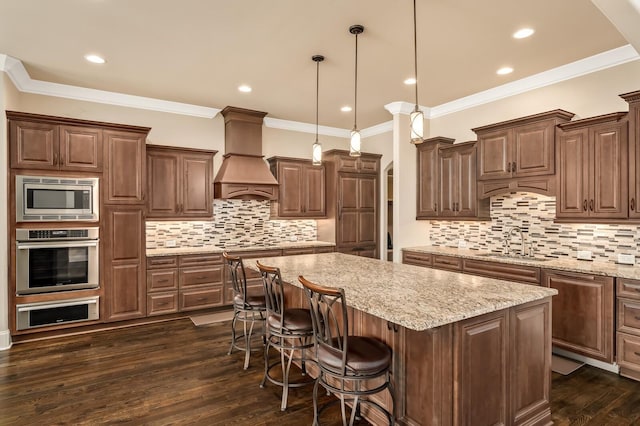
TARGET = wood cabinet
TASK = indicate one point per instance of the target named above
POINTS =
(179, 183)
(582, 315)
(123, 266)
(52, 143)
(446, 181)
(519, 154)
(628, 328)
(353, 198)
(162, 285)
(301, 188)
(125, 167)
(592, 163)
(633, 99)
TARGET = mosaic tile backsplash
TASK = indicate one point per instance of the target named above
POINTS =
(534, 214)
(235, 222)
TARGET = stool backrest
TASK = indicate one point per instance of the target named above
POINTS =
(273, 290)
(329, 317)
(238, 276)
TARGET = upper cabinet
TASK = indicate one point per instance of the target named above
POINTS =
(513, 154)
(446, 181)
(593, 169)
(633, 99)
(180, 183)
(41, 143)
(125, 172)
(301, 188)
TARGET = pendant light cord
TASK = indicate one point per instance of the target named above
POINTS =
(317, 95)
(415, 50)
(355, 102)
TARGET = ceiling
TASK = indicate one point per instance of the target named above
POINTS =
(199, 51)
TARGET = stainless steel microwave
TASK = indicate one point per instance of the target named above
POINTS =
(53, 198)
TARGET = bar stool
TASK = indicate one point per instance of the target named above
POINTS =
(287, 329)
(345, 362)
(247, 308)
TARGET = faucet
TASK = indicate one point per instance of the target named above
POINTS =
(508, 240)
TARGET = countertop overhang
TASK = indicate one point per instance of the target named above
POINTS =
(411, 296)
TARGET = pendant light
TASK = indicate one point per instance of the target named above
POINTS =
(317, 148)
(417, 117)
(354, 145)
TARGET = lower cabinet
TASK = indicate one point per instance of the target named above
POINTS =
(583, 321)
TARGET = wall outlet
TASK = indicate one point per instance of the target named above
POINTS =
(170, 243)
(293, 238)
(462, 243)
(584, 254)
(626, 259)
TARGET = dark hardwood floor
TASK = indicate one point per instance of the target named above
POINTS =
(175, 373)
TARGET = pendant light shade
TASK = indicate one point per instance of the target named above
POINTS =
(417, 117)
(316, 153)
(354, 145)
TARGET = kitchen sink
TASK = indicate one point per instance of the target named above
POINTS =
(514, 256)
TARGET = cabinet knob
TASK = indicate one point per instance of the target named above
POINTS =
(633, 204)
(513, 167)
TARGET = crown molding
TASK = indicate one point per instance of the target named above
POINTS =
(407, 108)
(608, 59)
(24, 83)
(378, 129)
(298, 126)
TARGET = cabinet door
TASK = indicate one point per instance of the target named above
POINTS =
(582, 313)
(534, 149)
(367, 210)
(162, 177)
(573, 167)
(313, 191)
(608, 171)
(466, 182)
(290, 178)
(448, 183)
(197, 184)
(494, 160)
(34, 145)
(428, 171)
(125, 157)
(634, 160)
(80, 148)
(124, 271)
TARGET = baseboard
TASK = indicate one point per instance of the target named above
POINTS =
(613, 368)
(5, 340)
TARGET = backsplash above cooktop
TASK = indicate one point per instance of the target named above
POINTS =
(535, 214)
(235, 223)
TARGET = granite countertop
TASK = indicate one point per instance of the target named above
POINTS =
(411, 296)
(172, 251)
(609, 269)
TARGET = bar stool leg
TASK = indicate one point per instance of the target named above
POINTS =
(233, 331)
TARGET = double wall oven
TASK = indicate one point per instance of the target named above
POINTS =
(57, 260)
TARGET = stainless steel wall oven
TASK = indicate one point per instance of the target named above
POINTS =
(50, 260)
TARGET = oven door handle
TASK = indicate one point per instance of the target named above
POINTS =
(63, 244)
(57, 305)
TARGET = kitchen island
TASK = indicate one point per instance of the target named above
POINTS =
(467, 350)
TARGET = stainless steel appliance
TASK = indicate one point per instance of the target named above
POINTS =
(42, 314)
(52, 198)
(49, 260)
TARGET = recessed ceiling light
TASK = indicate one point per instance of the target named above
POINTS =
(523, 33)
(410, 80)
(244, 88)
(95, 59)
(504, 70)
(346, 108)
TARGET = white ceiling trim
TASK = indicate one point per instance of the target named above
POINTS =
(624, 15)
(610, 58)
(24, 83)
(298, 126)
(378, 129)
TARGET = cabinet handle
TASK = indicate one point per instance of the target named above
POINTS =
(513, 167)
(509, 166)
(636, 353)
(55, 159)
(591, 205)
(637, 318)
(633, 204)
(584, 205)
(435, 207)
(163, 281)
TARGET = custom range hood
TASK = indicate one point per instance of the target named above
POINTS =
(243, 173)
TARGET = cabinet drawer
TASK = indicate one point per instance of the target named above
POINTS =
(200, 259)
(503, 271)
(418, 259)
(301, 250)
(162, 303)
(628, 352)
(201, 298)
(200, 276)
(628, 288)
(447, 262)
(629, 316)
(318, 250)
(162, 280)
(162, 262)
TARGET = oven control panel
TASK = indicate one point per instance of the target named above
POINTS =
(56, 234)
